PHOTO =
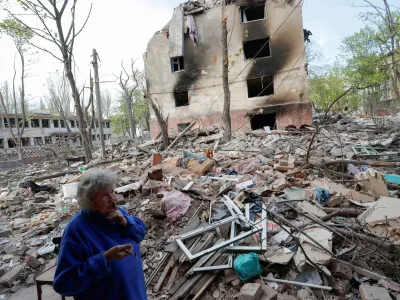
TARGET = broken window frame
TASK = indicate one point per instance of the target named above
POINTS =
(224, 244)
(245, 7)
(177, 64)
(236, 216)
(228, 266)
(232, 207)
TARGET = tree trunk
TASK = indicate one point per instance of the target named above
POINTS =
(79, 112)
(131, 116)
(163, 123)
(19, 152)
(226, 116)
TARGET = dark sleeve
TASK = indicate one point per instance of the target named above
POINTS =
(77, 272)
(136, 228)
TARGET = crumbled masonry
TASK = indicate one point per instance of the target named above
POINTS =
(322, 229)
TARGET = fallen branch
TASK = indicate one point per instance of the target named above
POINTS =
(375, 241)
(181, 134)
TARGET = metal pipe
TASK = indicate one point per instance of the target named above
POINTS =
(322, 287)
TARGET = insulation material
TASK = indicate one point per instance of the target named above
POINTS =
(314, 252)
(383, 218)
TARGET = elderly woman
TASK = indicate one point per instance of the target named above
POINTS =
(100, 254)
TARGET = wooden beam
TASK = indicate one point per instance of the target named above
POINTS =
(172, 277)
(182, 134)
(164, 274)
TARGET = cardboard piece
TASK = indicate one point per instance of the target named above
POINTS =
(383, 218)
(373, 182)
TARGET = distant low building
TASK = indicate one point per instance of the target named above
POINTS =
(47, 129)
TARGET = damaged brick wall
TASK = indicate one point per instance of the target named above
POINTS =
(201, 76)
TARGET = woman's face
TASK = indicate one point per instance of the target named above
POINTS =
(102, 200)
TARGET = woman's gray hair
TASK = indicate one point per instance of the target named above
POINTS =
(91, 182)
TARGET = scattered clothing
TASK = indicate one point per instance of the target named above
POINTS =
(192, 29)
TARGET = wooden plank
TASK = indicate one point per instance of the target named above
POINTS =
(172, 277)
(182, 134)
(164, 274)
(150, 143)
(185, 285)
(157, 269)
(186, 288)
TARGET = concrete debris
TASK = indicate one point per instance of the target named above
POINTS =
(251, 291)
(259, 185)
(368, 292)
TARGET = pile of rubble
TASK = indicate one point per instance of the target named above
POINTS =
(248, 219)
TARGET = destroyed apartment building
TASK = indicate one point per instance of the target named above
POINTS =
(267, 72)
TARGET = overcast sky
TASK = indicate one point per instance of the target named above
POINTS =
(120, 30)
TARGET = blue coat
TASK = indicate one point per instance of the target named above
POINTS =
(82, 270)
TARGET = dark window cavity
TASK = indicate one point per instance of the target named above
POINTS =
(45, 123)
(48, 140)
(181, 98)
(257, 49)
(253, 12)
(62, 123)
(72, 124)
(55, 123)
(38, 141)
(35, 123)
(262, 86)
(22, 123)
(177, 64)
(182, 126)
(11, 143)
(263, 120)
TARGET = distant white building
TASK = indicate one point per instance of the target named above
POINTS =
(42, 128)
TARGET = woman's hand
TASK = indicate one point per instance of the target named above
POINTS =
(117, 217)
(119, 252)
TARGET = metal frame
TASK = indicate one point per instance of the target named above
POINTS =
(228, 266)
(237, 216)
(264, 234)
(372, 151)
(224, 244)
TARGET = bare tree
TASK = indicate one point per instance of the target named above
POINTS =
(59, 98)
(21, 37)
(51, 16)
(89, 115)
(106, 103)
(128, 84)
(388, 35)
(226, 114)
(160, 118)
